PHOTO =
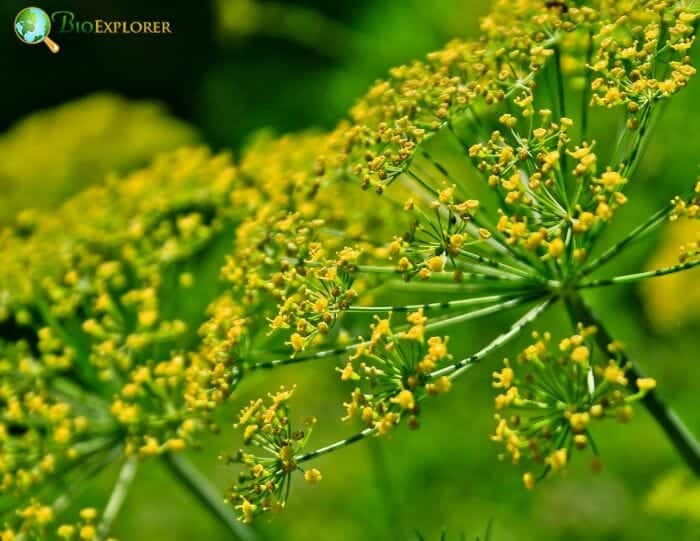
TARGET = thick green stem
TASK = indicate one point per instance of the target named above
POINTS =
(679, 435)
(208, 496)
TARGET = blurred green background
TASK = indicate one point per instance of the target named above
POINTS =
(235, 66)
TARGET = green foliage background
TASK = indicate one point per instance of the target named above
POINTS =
(255, 74)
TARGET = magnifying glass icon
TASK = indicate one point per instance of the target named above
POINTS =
(33, 26)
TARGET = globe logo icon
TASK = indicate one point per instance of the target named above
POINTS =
(33, 26)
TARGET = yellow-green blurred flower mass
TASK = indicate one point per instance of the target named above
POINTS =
(677, 495)
(52, 154)
(672, 301)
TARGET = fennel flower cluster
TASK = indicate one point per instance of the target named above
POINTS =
(464, 185)
(516, 213)
(264, 485)
(550, 400)
(96, 357)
